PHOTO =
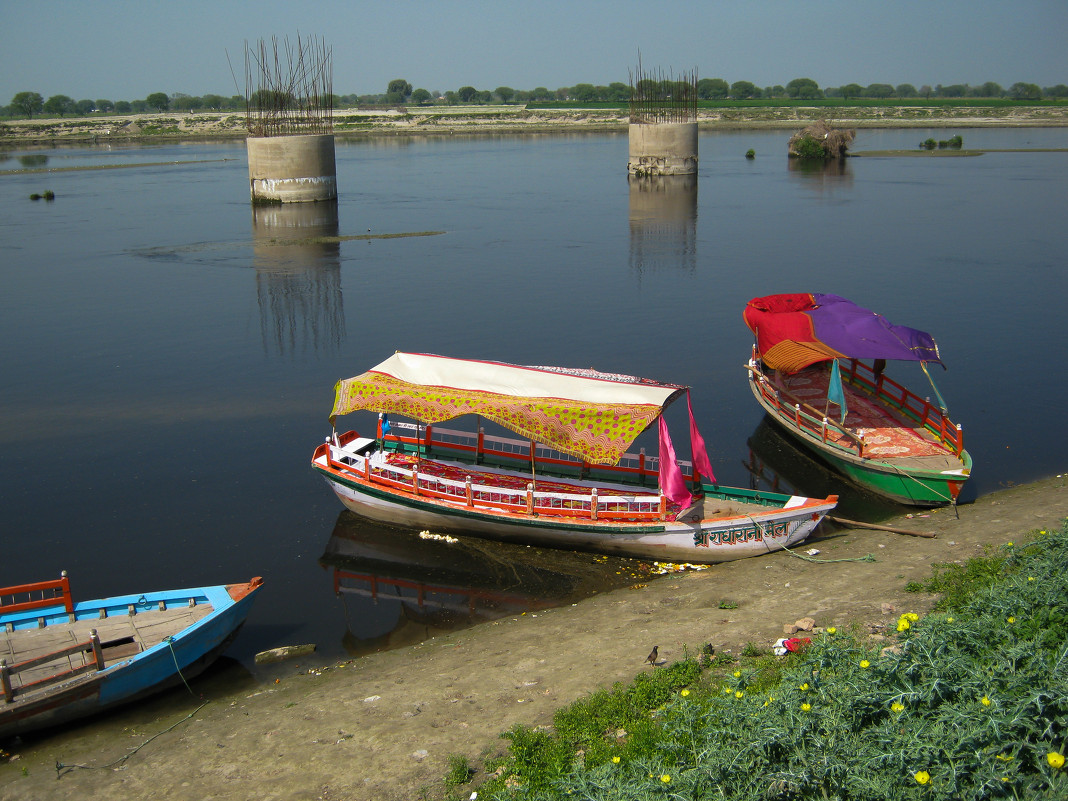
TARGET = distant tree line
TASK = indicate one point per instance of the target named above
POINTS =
(31, 104)
(400, 92)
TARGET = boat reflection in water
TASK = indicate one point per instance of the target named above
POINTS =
(400, 587)
(777, 464)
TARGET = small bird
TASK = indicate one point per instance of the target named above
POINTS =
(651, 659)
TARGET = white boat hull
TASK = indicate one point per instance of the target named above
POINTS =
(698, 541)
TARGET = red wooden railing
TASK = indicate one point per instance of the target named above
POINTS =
(92, 645)
(886, 390)
(589, 505)
(38, 595)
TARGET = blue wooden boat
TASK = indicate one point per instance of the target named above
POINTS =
(61, 660)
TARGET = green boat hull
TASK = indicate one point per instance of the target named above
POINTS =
(909, 488)
(894, 479)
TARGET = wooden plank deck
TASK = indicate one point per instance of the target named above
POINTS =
(126, 634)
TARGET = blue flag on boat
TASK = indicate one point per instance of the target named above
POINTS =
(385, 423)
(835, 392)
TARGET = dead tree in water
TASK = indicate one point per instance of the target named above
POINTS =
(820, 142)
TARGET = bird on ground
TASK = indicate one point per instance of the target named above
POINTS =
(651, 659)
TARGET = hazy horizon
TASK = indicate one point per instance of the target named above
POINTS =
(125, 50)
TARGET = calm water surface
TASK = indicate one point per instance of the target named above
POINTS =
(169, 353)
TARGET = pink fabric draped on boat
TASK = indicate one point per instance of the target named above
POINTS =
(672, 482)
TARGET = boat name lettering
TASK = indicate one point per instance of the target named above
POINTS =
(740, 534)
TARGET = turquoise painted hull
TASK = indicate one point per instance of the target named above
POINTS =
(163, 665)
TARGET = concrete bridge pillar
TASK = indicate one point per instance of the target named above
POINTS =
(662, 148)
(292, 169)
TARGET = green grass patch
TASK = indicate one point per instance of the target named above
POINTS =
(970, 702)
(159, 130)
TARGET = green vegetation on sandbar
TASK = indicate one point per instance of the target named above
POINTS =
(968, 702)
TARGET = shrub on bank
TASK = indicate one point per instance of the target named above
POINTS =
(970, 702)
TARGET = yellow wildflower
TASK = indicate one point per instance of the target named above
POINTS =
(615, 760)
(806, 707)
(832, 630)
(737, 674)
(864, 663)
(922, 777)
(665, 778)
(1011, 620)
(903, 624)
(739, 694)
(911, 616)
(984, 701)
(949, 620)
(897, 706)
(1030, 578)
(804, 686)
(684, 693)
(1055, 760)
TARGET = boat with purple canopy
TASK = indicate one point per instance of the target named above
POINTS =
(807, 373)
(568, 483)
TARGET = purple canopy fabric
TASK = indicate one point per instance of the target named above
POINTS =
(796, 330)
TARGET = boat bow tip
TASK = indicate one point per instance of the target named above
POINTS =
(239, 591)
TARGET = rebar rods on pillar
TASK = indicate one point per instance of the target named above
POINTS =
(288, 89)
(658, 97)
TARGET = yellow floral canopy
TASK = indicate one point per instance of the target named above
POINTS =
(594, 416)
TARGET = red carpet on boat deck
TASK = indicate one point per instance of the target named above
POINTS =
(883, 435)
(512, 482)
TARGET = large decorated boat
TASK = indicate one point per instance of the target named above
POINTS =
(807, 372)
(569, 483)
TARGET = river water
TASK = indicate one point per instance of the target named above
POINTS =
(169, 353)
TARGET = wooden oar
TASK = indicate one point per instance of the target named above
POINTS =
(877, 527)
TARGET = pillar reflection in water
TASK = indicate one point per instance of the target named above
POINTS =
(297, 257)
(823, 176)
(663, 222)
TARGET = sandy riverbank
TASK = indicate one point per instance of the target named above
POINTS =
(453, 120)
(383, 726)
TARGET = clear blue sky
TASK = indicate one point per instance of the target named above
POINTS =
(127, 49)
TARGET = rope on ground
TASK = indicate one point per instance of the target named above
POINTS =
(62, 768)
(866, 558)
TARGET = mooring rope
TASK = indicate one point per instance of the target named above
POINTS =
(950, 500)
(866, 558)
(62, 768)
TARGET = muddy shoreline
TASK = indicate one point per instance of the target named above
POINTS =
(383, 726)
(498, 120)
